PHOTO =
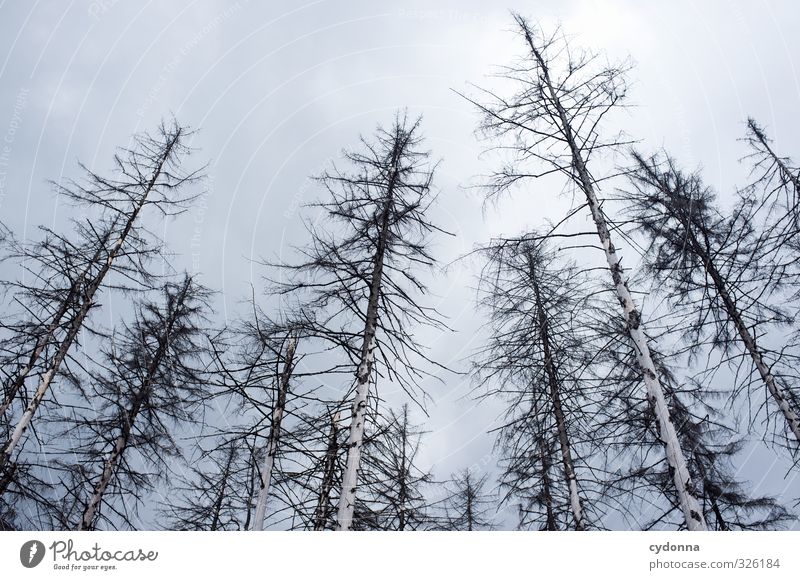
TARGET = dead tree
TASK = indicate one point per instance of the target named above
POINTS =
(360, 272)
(638, 475)
(315, 457)
(275, 430)
(254, 366)
(69, 276)
(255, 376)
(776, 185)
(254, 369)
(466, 505)
(216, 492)
(554, 120)
(711, 264)
(393, 489)
(535, 359)
(149, 383)
(394, 495)
(323, 512)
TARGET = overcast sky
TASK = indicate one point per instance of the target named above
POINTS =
(277, 89)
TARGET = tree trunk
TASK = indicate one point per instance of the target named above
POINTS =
(77, 322)
(274, 433)
(792, 419)
(356, 438)
(547, 486)
(785, 171)
(109, 469)
(328, 470)
(469, 501)
(403, 492)
(558, 411)
(122, 441)
(221, 494)
(43, 340)
(684, 488)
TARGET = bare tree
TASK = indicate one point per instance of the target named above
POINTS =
(709, 264)
(393, 485)
(255, 368)
(362, 276)
(68, 276)
(324, 510)
(712, 448)
(315, 451)
(216, 492)
(149, 383)
(466, 504)
(275, 430)
(393, 489)
(256, 373)
(554, 120)
(535, 359)
(777, 185)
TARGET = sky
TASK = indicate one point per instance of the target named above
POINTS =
(277, 89)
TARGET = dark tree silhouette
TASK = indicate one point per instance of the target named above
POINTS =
(359, 273)
(711, 447)
(553, 121)
(535, 359)
(393, 489)
(68, 272)
(466, 505)
(254, 364)
(323, 512)
(393, 486)
(149, 383)
(777, 187)
(710, 264)
(215, 494)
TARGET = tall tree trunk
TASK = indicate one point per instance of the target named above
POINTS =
(470, 499)
(121, 443)
(777, 393)
(221, 495)
(403, 492)
(558, 410)
(547, 486)
(709, 489)
(328, 471)
(355, 440)
(275, 432)
(684, 488)
(87, 303)
(109, 468)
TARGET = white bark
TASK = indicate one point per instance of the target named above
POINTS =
(355, 440)
(775, 390)
(558, 411)
(274, 434)
(684, 488)
(347, 500)
(750, 342)
(44, 385)
(692, 512)
(108, 472)
(44, 339)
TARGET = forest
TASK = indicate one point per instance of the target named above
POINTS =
(636, 346)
